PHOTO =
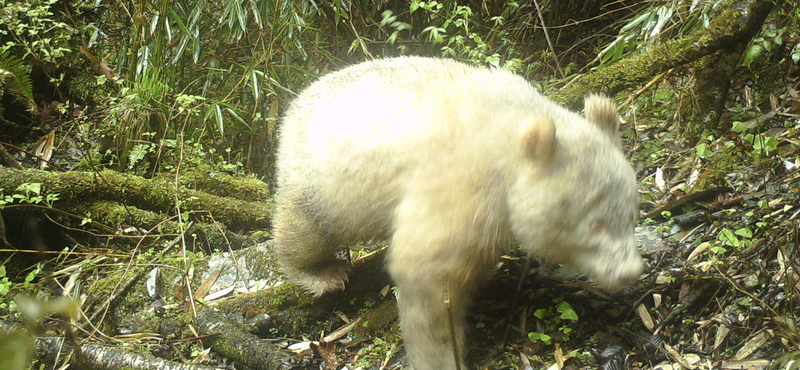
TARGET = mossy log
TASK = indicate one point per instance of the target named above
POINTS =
(712, 76)
(739, 21)
(51, 350)
(222, 184)
(113, 213)
(157, 195)
(294, 311)
(234, 342)
(6, 159)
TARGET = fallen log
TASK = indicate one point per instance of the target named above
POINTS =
(157, 195)
(98, 357)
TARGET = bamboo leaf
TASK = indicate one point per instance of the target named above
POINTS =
(218, 117)
(237, 117)
(254, 84)
(256, 13)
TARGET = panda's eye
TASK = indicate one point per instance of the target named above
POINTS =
(598, 226)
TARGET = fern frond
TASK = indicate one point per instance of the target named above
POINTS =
(15, 76)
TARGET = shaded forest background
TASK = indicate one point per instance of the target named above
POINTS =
(136, 134)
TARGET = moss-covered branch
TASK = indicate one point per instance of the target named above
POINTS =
(740, 20)
(233, 341)
(113, 213)
(157, 195)
(295, 311)
(6, 159)
(93, 356)
(222, 184)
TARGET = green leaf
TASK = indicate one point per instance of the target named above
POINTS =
(256, 14)
(738, 126)
(727, 235)
(770, 144)
(136, 154)
(387, 17)
(237, 117)
(567, 313)
(535, 337)
(493, 60)
(175, 18)
(744, 232)
(540, 313)
(753, 53)
(16, 76)
(32, 275)
(154, 22)
(218, 117)
(5, 284)
(718, 249)
(254, 83)
(703, 151)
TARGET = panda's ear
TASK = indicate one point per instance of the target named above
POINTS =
(602, 111)
(538, 137)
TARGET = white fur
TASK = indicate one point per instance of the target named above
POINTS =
(439, 157)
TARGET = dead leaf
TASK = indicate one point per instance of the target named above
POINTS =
(341, 332)
(44, 149)
(327, 351)
(722, 333)
(300, 347)
(660, 182)
(559, 356)
(672, 352)
(202, 291)
(752, 345)
(744, 364)
(698, 250)
(644, 315)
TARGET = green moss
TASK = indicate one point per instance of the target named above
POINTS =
(146, 322)
(383, 344)
(722, 163)
(151, 194)
(222, 184)
(377, 322)
(260, 236)
(128, 303)
(646, 65)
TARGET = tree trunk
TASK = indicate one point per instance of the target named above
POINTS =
(737, 24)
